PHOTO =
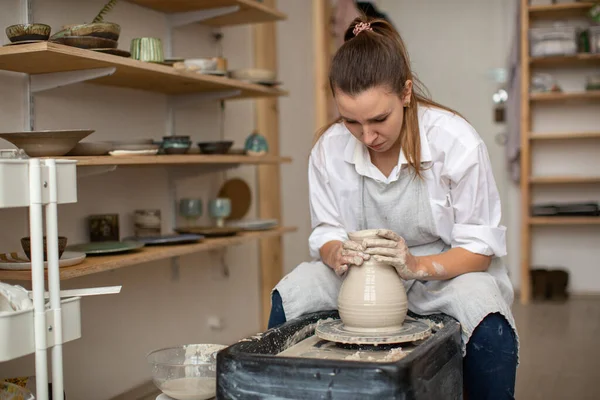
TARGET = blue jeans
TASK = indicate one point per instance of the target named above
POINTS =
(490, 366)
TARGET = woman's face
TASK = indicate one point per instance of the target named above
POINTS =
(375, 116)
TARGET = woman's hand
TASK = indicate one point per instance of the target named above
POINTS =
(340, 255)
(392, 249)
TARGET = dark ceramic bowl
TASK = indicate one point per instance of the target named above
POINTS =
(176, 139)
(26, 244)
(219, 147)
(21, 32)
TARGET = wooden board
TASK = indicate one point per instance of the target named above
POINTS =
(45, 57)
(562, 10)
(177, 159)
(582, 59)
(269, 177)
(565, 136)
(97, 264)
(553, 180)
(564, 96)
(250, 11)
(564, 220)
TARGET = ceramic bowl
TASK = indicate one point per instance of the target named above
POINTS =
(86, 42)
(21, 32)
(254, 74)
(107, 30)
(91, 149)
(26, 244)
(46, 143)
(176, 144)
(10, 391)
(201, 64)
(218, 147)
(190, 368)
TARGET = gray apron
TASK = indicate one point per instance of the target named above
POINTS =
(404, 207)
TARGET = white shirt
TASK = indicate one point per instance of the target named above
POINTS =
(462, 191)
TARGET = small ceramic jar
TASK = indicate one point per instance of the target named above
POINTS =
(256, 145)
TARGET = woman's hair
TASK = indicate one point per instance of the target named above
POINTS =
(373, 54)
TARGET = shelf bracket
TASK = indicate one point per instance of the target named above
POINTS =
(53, 80)
(190, 100)
(186, 18)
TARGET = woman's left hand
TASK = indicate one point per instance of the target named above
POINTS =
(392, 249)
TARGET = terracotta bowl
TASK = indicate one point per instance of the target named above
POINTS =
(26, 244)
(21, 32)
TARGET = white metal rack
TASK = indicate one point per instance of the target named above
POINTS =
(41, 184)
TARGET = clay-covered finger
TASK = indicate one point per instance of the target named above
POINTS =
(368, 243)
(383, 251)
(353, 253)
(388, 234)
(341, 270)
(352, 260)
(350, 245)
(387, 260)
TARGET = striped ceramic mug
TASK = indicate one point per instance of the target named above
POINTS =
(147, 49)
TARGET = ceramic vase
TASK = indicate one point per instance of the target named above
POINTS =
(372, 297)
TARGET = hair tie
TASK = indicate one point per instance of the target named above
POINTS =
(361, 26)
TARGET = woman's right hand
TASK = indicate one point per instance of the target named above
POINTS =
(340, 255)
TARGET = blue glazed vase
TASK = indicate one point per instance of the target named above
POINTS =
(256, 145)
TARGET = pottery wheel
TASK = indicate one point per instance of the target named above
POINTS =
(334, 331)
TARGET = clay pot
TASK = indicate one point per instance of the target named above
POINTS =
(372, 297)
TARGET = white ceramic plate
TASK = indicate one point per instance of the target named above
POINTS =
(255, 225)
(133, 152)
(18, 260)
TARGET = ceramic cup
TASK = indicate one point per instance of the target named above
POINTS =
(147, 222)
(220, 208)
(190, 209)
(147, 49)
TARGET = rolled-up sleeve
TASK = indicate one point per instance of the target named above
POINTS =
(325, 216)
(476, 204)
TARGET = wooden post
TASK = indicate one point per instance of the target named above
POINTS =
(320, 16)
(525, 158)
(269, 187)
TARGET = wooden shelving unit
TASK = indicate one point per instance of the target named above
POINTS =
(250, 11)
(558, 180)
(97, 264)
(565, 96)
(529, 14)
(562, 10)
(178, 159)
(564, 221)
(564, 136)
(582, 59)
(46, 57)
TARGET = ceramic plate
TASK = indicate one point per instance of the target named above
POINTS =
(255, 225)
(240, 195)
(116, 52)
(133, 152)
(216, 72)
(108, 247)
(167, 239)
(24, 42)
(209, 231)
(19, 261)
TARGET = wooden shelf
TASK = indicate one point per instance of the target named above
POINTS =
(564, 220)
(564, 136)
(250, 11)
(564, 10)
(553, 180)
(564, 96)
(582, 59)
(46, 57)
(97, 264)
(177, 159)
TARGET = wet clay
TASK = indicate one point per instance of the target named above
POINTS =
(372, 297)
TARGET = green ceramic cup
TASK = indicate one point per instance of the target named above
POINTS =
(147, 49)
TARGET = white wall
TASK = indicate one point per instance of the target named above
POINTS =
(454, 46)
(156, 308)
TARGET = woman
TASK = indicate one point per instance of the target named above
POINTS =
(418, 172)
